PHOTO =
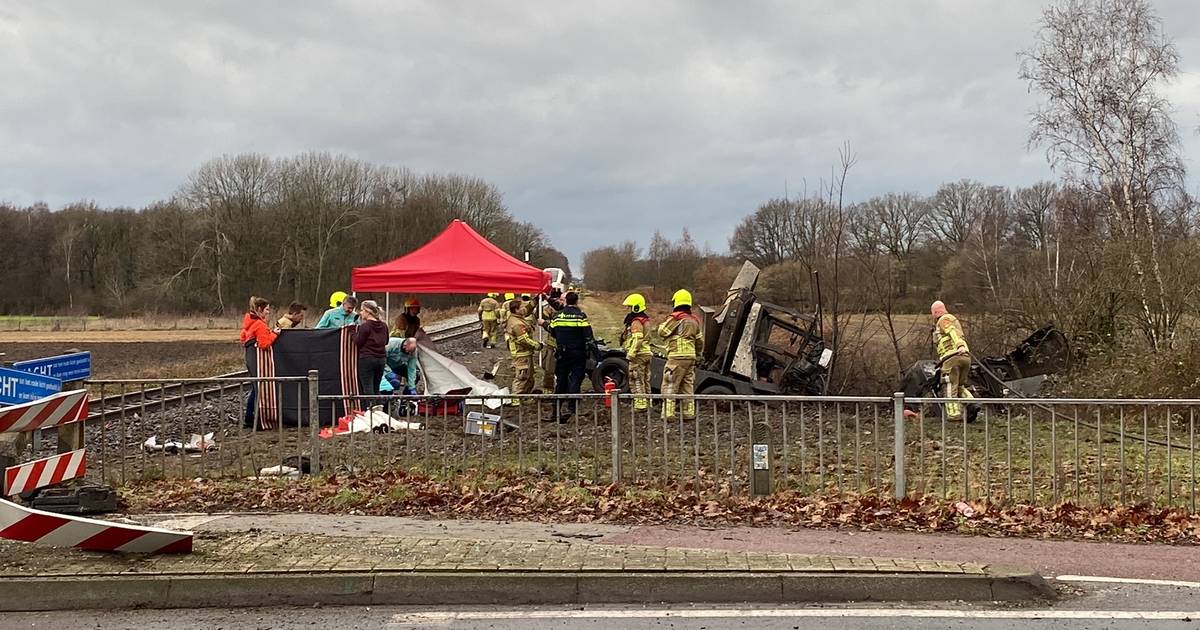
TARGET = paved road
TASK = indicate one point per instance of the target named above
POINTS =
(1110, 606)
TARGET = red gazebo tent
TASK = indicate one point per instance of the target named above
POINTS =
(459, 260)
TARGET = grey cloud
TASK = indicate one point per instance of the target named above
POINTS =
(600, 121)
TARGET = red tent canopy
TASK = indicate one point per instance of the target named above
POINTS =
(458, 260)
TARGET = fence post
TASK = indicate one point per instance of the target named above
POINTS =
(616, 436)
(760, 459)
(898, 422)
(314, 424)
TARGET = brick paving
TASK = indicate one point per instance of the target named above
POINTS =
(263, 552)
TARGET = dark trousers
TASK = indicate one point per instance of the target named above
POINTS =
(568, 379)
(370, 373)
(251, 401)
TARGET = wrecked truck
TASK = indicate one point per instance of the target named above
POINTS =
(751, 347)
(1020, 373)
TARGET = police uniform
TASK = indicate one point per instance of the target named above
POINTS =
(572, 334)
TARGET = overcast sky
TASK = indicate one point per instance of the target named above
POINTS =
(599, 121)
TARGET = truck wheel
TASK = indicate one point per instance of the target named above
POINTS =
(615, 368)
(715, 389)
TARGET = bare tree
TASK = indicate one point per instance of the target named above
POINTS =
(954, 213)
(903, 222)
(1100, 66)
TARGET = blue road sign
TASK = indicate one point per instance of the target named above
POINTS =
(19, 386)
(76, 366)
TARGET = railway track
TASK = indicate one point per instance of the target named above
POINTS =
(182, 391)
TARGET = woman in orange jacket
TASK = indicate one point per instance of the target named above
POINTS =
(256, 332)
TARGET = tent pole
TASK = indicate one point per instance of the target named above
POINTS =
(387, 306)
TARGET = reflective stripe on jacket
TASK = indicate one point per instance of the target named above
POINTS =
(520, 343)
(488, 309)
(683, 336)
(571, 330)
(634, 338)
(948, 335)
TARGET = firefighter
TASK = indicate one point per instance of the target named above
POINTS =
(409, 322)
(573, 335)
(488, 316)
(685, 345)
(550, 308)
(637, 349)
(504, 311)
(521, 345)
(954, 357)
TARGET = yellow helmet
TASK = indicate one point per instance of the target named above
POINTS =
(336, 298)
(682, 297)
(493, 295)
(636, 302)
(510, 296)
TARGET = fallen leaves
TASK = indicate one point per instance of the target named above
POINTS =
(508, 495)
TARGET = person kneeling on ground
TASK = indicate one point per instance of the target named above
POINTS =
(403, 370)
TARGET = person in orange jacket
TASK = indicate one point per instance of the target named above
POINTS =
(256, 332)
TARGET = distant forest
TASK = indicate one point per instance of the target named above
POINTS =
(287, 228)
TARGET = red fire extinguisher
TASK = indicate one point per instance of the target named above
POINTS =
(609, 388)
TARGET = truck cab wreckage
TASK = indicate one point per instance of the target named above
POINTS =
(751, 347)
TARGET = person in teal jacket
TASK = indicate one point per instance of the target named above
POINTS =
(340, 316)
(402, 361)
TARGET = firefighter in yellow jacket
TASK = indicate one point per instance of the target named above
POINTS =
(521, 345)
(637, 349)
(685, 345)
(954, 357)
(489, 316)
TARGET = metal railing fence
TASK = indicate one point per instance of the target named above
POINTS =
(1037, 451)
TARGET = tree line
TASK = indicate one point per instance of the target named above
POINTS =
(1108, 252)
(291, 228)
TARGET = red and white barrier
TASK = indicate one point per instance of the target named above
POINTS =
(59, 530)
(47, 471)
(51, 411)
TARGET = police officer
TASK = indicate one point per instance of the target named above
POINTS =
(489, 317)
(572, 334)
(685, 345)
(637, 349)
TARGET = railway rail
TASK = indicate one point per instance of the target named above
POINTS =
(182, 391)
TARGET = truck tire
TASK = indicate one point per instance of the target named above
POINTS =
(615, 367)
(715, 389)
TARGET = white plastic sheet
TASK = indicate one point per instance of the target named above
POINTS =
(443, 375)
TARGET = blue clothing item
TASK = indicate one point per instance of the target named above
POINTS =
(401, 362)
(337, 318)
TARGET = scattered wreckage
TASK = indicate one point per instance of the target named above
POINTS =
(1020, 373)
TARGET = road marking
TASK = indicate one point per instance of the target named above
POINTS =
(1114, 580)
(441, 617)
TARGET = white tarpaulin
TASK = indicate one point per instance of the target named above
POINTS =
(442, 375)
